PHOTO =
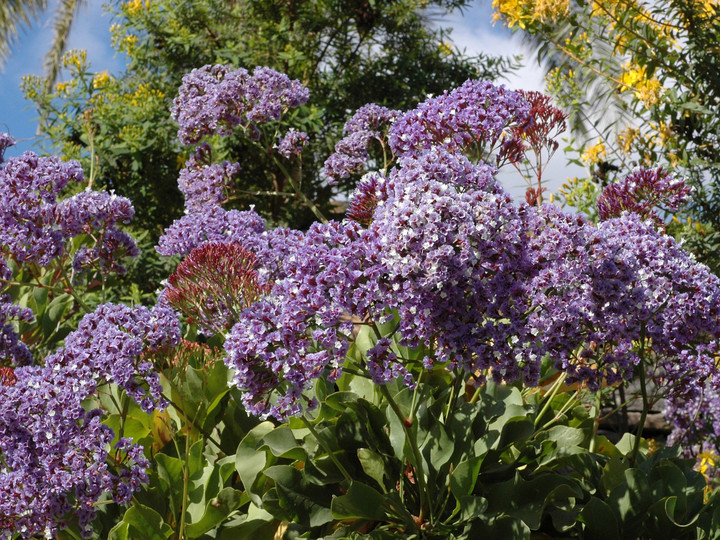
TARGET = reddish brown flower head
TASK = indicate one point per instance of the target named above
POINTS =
(544, 123)
(214, 284)
(7, 376)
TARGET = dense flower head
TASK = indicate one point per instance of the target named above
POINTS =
(214, 284)
(29, 186)
(216, 99)
(107, 347)
(12, 350)
(203, 183)
(351, 152)
(292, 143)
(470, 119)
(601, 292)
(214, 224)
(450, 246)
(642, 192)
(6, 141)
(55, 455)
(301, 331)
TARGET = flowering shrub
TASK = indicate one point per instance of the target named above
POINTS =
(406, 371)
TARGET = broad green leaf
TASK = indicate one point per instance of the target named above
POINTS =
(249, 462)
(373, 464)
(600, 521)
(146, 523)
(217, 511)
(360, 502)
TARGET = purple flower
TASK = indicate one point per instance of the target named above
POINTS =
(216, 99)
(29, 186)
(469, 119)
(351, 152)
(212, 225)
(292, 143)
(204, 184)
(55, 455)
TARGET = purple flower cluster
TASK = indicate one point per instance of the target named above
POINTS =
(351, 152)
(55, 452)
(450, 246)
(205, 186)
(641, 192)
(13, 352)
(35, 226)
(301, 331)
(469, 119)
(216, 99)
(6, 141)
(29, 186)
(292, 143)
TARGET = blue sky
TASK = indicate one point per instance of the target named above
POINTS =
(91, 32)
(472, 31)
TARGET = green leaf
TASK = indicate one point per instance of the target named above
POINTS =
(373, 464)
(600, 521)
(463, 478)
(249, 462)
(217, 511)
(146, 523)
(306, 503)
(119, 531)
(360, 502)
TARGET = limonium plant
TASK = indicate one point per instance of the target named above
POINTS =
(421, 369)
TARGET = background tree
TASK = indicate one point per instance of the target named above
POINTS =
(347, 52)
(642, 81)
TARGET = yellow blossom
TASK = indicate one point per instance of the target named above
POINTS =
(595, 153)
(75, 58)
(445, 48)
(100, 80)
(551, 10)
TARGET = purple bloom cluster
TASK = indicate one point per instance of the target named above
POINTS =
(469, 119)
(35, 226)
(29, 186)
(215, 224)
(55, 452)
(450, 247)
(12, 351)
(216, 99)
(292, 143)
(351, 152)
(641, 192)
(370, 191)
(302, 330)
(6, 141)
(205, 186)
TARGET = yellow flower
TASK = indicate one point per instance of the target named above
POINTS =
(626, 138)
(60, 87)
(133, 7)
(445, 48)
(101, 79)
(595, 153)
(551, 10)
(75, 58)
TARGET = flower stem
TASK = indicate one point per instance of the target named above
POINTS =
(329, 452)
(417, 457)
